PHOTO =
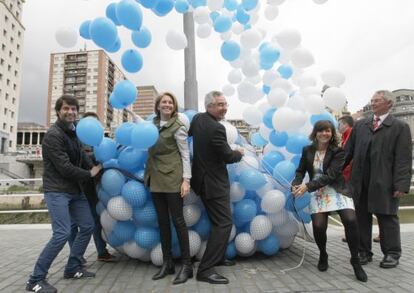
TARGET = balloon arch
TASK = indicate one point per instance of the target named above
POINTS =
(271, 75)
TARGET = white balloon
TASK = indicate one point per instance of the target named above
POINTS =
(289, 38)
(201, 251)
(133, 250)
(269, 76)
(66, 37)
(283, 84)
(333, 78)
(252, 116)
(156, 255)
(254, 17)
(296, 102)
(119, 209)
(184, 119)
(260, 227)
(250, 38)
(286, 242)
(204, 30)
(264, 189)
(277, 97)
(237, 63)
(263, 106)
(275, 2)
(271, 12)
(247, 162)
(226, 36)
(279, 218)
(214, 5)
(273, 201)
(305, 80)
(286, 118)
(237, 28)
(236, 192)
(314, 104)
(264, 131)
(232, 233)
(231, 132)
(246, 90)
(235, 76)
(107, 221)
(191, 198)
(176, 40)
(302, 58)
(250, 68)
(255, 79)
(309, 91)
(201, 15)
(320, 1)
(195, 242)
(244, 243)
(228, 90)
(191, 214)
(334, 98)
(288, 229)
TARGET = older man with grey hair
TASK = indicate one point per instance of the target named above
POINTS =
(380, 147)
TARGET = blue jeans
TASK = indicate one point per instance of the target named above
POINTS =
(65, 208)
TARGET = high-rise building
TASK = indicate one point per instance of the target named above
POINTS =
(11, 42)
(145, 102)
(90, 76)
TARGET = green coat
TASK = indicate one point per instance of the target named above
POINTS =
(164, 168)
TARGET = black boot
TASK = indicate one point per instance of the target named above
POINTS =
(185, 273)
(358, 270)
(323, 262)
(167, 268)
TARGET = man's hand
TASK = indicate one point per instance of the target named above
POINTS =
(240, 150)
(398, 194)
(95, 170)
(185, 187)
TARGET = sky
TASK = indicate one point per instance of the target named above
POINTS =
(370, 41)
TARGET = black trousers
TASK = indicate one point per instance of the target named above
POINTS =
(219, 213)
(389, 228)
(166, 204)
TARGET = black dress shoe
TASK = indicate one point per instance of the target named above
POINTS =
(323, 262)
(185, 273)
(213, 279)
(167, 268)
(365, 257)
(389, 261)
(358, 270)
(227, 263)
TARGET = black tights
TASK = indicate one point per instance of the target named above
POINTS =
(166, 204)
(348, 218)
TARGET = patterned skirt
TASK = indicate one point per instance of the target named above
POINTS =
(326, 199)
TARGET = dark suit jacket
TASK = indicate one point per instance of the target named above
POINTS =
(211, 154)
(332, 170)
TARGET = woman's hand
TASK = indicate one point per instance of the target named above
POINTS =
(185, 187)
(299, 190)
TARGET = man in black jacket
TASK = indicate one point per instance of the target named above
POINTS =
(65, 167)
(380, 147)
(210, 181)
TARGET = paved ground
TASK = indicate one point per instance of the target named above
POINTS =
(21, 244)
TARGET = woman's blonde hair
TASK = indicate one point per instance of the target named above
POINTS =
(158, 101)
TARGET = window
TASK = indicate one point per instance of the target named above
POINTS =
(11, 128)
(11, 40)
(18, 47)
(10, 143)
(5, 111)
(17, 59)
(10, 53)
(7, 96)
(19, 34)
(8, 82)
(4, 33)
(4, 126)
(6, 19)
(14, 101)
(1, 61)
(8, 67)
(13, 26)
(1, 76)
(15, 73)
(12, 114)
(3, 47)
(14, 86)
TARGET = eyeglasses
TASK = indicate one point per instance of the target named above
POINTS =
(221, 105)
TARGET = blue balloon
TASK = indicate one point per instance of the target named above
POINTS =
(242, 16)
(104, 196)
(289, 205)
(103, 32)
(230, 50)
(112, 163)
(269, 54)
(90, 131)
(265, 66)
(267, 117)
(113, 240)
(271, 159)
(123, 133)
(245, 210)
(134, 193)
(124, 230)
(269, 246)
(113, 100)
(148, 3)
(303, 201)
(231, 251)
(190, 114)
(286, 71)
(132, 61)
(278, 138)
(231, 5)
(252, 179)
(100, 207)
(266, 89)
(296, 160)
(141, 38)
(323, 116)
(295, 143)
(131, 158)
(146, 215)
(112, 182)
(214, 15)
(198, 3)
(129, 14)
(249, 4)
(115, 47)
(84, 30)
(125, 92)
(284, 172)
(257, 140)
(181, 6)
(303, 216)
(147, 237)
(111, 13)
(140, 174)
(222, 24)
(203, 226)
(106, 150)
(144, 135)
(163, 7)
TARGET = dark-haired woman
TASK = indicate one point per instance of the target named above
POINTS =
(167, 174)
(323, 160)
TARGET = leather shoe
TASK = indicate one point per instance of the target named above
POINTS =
(389, 261)
(227, 263)
(213, 279)
(167, 268)
(323, 262)
(185, 273)
(365, 257)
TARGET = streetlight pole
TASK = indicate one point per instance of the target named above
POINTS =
(190, 82)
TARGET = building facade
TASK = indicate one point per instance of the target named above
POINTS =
(90, 76)
(11, 42)
(145, 102)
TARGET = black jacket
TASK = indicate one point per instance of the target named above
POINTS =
(65, 164)
(211, 154)
(332, 170)
(389, 151)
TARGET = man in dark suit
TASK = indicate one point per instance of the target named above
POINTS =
(380, 147)
(210, 181)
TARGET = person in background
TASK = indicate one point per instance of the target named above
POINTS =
(167, 175)
(323, 160)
